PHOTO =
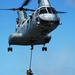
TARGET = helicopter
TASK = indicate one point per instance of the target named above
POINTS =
(35, 29)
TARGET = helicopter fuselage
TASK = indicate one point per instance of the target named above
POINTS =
(35, 30)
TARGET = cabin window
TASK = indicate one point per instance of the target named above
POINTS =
(27, 21)
(25, 15)
(17, 20)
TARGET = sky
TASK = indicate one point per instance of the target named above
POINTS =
(60, 57)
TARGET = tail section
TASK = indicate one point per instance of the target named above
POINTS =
(43, 3)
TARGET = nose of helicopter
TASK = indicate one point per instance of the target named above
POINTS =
(49, 17)
(52, 18)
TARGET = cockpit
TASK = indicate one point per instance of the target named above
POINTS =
(47, 15)
(44, 10)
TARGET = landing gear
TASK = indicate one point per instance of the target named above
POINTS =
(32, 47)
(10, 49)
(44, 48)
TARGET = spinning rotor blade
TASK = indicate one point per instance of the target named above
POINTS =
(21, 8)
(57, 11)
(11, 9)
(26, 9)
(61, 12)
(25, 3)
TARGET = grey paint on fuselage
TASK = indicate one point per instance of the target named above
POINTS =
(35, 30)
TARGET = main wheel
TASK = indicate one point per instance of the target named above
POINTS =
(9, 49)
(44, 48)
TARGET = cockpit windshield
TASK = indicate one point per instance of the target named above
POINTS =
(44, 10)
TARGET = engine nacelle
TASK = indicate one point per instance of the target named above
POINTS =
(47, 38)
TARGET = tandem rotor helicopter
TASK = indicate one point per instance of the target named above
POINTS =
(35, 29)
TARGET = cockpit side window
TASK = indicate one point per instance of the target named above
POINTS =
(36, 13)
(51, 10)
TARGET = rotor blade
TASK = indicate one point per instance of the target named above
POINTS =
(25, 3)
(61, 12)
(26, 9)
(4, 9)
(11, 9)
